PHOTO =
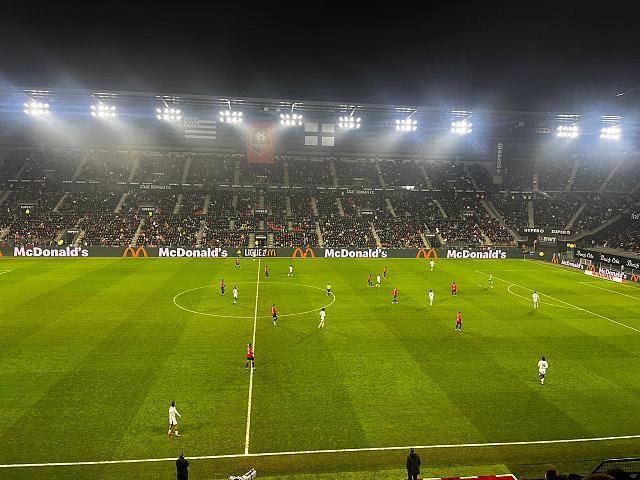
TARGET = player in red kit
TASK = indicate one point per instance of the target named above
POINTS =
(369, 281)
(222, 285)
(454, 289)
(384, 272)
(250, 357)
(237, 263)
(395, 295)
(274, 313)
(459, 322)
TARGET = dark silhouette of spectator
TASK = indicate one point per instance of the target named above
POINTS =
(413, 465)
(182, 464)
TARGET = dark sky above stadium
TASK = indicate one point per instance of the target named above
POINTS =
(550, 55)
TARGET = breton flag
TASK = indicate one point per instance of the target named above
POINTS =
(318, 134)
(198, 128)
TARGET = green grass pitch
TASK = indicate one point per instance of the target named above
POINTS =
(92, 352)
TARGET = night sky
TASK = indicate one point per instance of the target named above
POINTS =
(482, 55)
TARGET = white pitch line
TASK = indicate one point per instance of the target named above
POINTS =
(609, 290)
(316, 452)
(5, 271)
(255, 322)
(566, 303)
(530, 300)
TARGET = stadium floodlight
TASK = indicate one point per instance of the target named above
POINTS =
(290, 120)
(613, 132)
(169, 114)
(406, 125)
(36, 109)
(349, 122)
(461, 127)
(231, 116)
(103, 111)
(568, 131)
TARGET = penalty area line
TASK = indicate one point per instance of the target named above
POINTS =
(566, 303)
(339, 450)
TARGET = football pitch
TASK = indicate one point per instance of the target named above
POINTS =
(93, 351)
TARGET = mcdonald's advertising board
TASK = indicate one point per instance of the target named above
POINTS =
(303, 252)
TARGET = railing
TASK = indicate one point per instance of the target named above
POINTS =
(629, 465)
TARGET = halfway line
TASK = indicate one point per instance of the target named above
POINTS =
(253, 343)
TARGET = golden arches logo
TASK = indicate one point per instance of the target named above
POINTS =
(635, 278)
(555, 260)
(272, 252)
(422, 253)
(591, 268)
(130, 252)
(308, 252)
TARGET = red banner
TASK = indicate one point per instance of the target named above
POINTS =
(261, 142)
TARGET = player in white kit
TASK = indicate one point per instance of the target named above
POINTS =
(378, 279)
(432, 264)
(290, 271)
(542, 369)
(536, 299)
(322, 315)
(431, 297)
(173, 423)
(235, 295)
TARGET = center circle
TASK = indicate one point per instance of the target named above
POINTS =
(182, 307)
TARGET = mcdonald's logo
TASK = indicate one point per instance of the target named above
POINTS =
(308, 253)
(0, 253)
(130, 252)
(422, 253)
(635, 278)
(554, 260)
(272, 252)
(591, 268)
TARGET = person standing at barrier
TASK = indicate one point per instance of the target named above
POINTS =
(413, 465)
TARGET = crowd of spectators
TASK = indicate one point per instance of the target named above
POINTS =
(209, 168)
(231, 221)
(481, 175)
(343, 231)
(399, 233)
(553, 174)
(592, 172)
(91, 201)
(276, 204)
(624, 235)
(357, 173)
(401, 172)
(518, 176)
(627, 176)
(107, 166)
(192, 203)
(448, 176)
(300, 205)
(260, 174)
(309, 172)
(169, 230)
(598, 210)
(512, 207)
(556, 212)
(160, 168)
(109, 229)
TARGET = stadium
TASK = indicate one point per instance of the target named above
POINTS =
(162, 246)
